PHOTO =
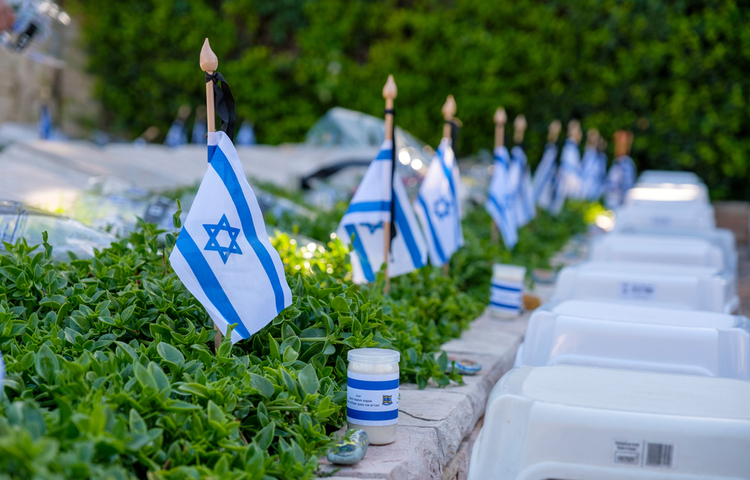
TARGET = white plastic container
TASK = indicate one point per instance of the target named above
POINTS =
(506, 290)
(669, 176)
(576, 423)
(721, 237)
(601, 334)
(629, 247)
(666, 216)
(666, 192)
(372, 393)
(684, 287)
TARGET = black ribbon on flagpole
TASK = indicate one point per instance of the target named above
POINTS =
(392, 111)
(223, 103)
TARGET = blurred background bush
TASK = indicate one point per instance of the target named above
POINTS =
(675, 72)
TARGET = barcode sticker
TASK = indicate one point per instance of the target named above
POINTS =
(643, 454)
(659, 454)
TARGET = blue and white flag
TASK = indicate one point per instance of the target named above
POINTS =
(438, 205)
(499, 200)
(620, 179)
(199, 132)
(568, 181)
(544, 177)
(524, 194)
(592, 174)
(223, 254)
(45, 123)
(367, 215)
(176, 135)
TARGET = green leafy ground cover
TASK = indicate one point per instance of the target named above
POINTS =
(112, 370)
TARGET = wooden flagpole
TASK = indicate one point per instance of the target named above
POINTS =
(390, 92)
(553, 131)
(210, 63)
(500, 118)
(449, 111)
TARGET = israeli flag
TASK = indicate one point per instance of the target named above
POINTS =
(620, 179)
(524, 197)
(367, 215)
(592, 174)
(499, 201)
(544, 177)
(223, 255)
(568, 182)
(176, 134)
(437, 205)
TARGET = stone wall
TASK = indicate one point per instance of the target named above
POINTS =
(24, 83)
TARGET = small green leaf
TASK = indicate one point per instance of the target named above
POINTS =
(262, 385)
(265, 436)
(340, 304)
(137, 424)
(170, 354)
(308, 379)
(46, 364)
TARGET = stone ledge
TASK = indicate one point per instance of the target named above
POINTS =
(437, 425)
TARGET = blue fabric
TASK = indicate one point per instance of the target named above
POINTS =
(223, 168)
(208, 281)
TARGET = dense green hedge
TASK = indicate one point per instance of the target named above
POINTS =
(674, 72)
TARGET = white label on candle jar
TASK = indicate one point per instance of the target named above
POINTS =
(372, 399)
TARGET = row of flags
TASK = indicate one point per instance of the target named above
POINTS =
(225, 259)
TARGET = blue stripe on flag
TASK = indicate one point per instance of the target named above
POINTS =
(369, 207)
(362, 415)
(405, 230)
(371, 385)
(448, 174)
(208, 281)
(361, 253)
(384, 155)
(500, 210)
(222, 166)
(503, 287)
(435, 239)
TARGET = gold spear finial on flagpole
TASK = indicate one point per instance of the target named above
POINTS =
(553, 132)
(210, 63)
(390, 92)
(519, 129)
(449, 111)
(500, 118)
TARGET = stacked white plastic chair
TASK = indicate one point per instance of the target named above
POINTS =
(639, 366)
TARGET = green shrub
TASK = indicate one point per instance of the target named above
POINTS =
(672, 71)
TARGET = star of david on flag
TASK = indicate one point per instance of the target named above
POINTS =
(213, 242)
(498, 203)
(223, 255)
(438, 207)
(369, 210)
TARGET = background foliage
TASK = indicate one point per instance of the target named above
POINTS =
(673, 71)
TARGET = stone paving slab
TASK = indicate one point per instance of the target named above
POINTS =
(436, 424)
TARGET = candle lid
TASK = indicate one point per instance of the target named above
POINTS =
(373, 355)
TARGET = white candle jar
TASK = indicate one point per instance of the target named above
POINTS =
(506, 290)
(372, 393)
